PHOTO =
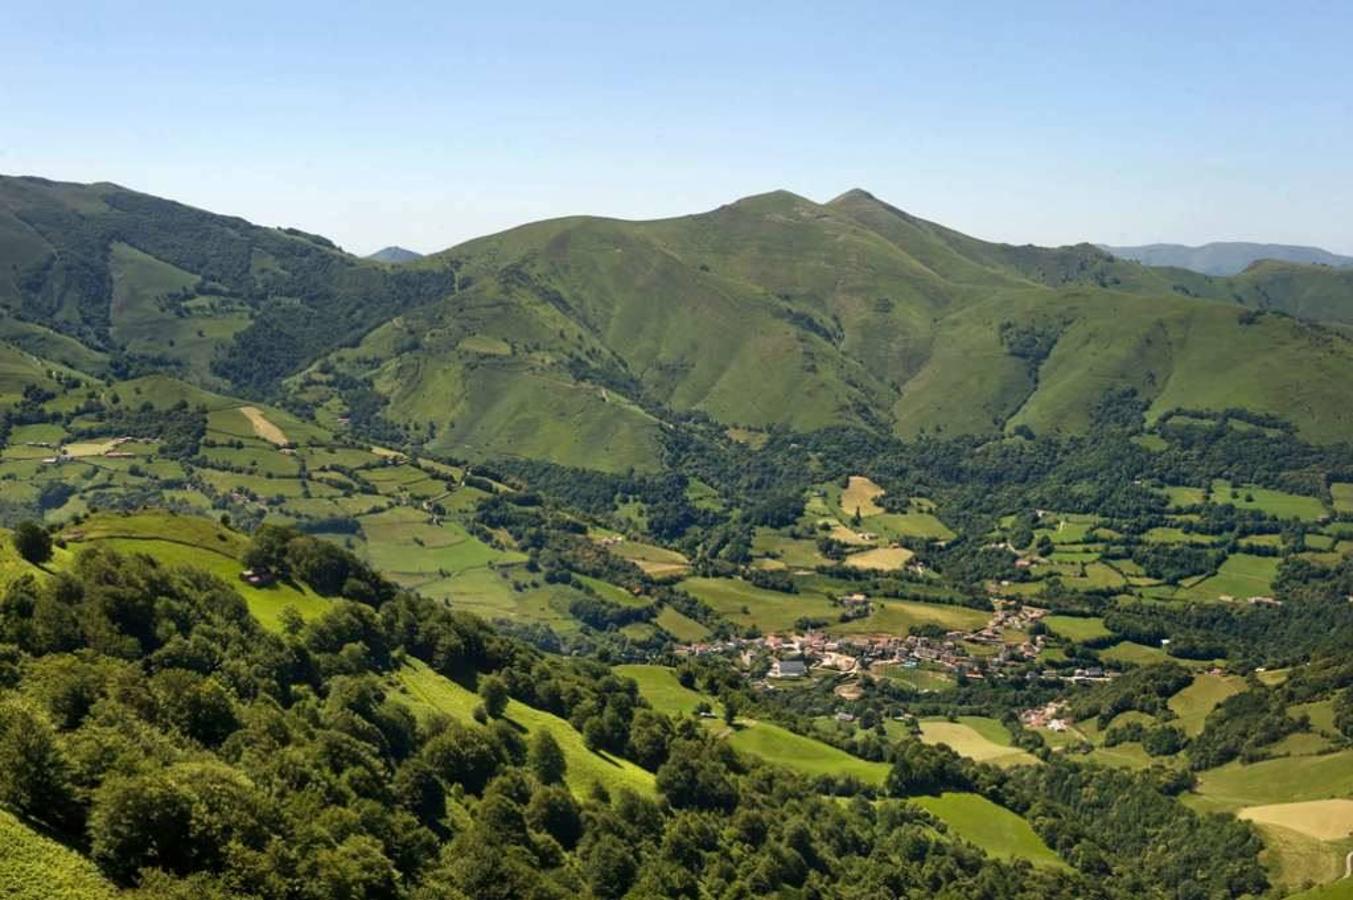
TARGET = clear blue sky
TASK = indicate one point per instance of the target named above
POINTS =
(422, 124)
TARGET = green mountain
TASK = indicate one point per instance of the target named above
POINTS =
(1227, 257)
(585, 340)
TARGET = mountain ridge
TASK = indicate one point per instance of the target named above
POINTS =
(1226, 257)
(589, 341)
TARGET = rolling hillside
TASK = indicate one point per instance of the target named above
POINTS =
(583, 340)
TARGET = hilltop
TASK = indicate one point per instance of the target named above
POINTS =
(395, 255)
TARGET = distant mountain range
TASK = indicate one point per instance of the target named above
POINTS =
(394, 254)
(1226, 257)
(594, 342)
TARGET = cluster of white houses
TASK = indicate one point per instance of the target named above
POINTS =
(795, 655)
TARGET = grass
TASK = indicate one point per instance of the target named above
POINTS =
(426, 692)
(1179, 496)
(200, 543)
(654, 560)
(1278, 504)
(978, 738)
(263, 426)
(859, 495)
(765, 740)
(920, 679)
(797, 553)
(35, 867)
(1130, 652)
(897, 616)
(659, 686)
(1342, 889)
(998, 831)
(1295, 859)
(1324, 820)
(1240, 576)
(880, 559)
(910, 524)
(783, 747)
(1341, 492)
(749, 605)
(680, 626)
(1286, 779)
(1077, 628)
(1193, 703)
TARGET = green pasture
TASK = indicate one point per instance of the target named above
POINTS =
(977, 737)
(659, 686)
(427, 692)
(35, 867)
(995, 829)
(1278, 504)
(1193, 703)
(1076, 628)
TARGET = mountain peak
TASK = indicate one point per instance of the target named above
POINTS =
(395, 255)
(856, 195)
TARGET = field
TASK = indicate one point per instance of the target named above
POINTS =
(1341, 492)
(998, 831)
(882, 559)
(796, 553)
(802, 754)
(920, 679)
(897, 616)
(1241, 576)
(1193, 703)
(680, 626)
(34, 867)
(1287, 779)
(978, 738)
(1130, 652)
(859, 495)
(191, 541)
(1335, 890)
(747, 604)
(1278, 504)
(1075, 628)
(659, 686)
(262, 426)
(764, 740)
(1324, 820)
(427, 692)
(657, 562)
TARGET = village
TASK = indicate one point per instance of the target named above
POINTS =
(978, 654)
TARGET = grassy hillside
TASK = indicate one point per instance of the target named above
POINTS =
(426, 692)
(577, 339)
(34, 867)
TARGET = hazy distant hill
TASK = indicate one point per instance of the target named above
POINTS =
(395, 255)
(1226, 257)
(591, 341)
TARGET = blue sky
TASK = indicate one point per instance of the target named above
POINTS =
(424, 124)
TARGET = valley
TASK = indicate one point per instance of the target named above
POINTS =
(595, 532)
